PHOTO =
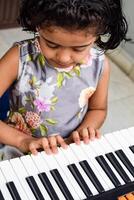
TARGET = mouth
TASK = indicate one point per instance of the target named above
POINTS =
(63, 65)
(60, 65)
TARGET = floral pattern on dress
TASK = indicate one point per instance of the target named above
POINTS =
(84, 97)
(38, 101)
(37, 95)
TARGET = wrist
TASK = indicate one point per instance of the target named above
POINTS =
(22, 137)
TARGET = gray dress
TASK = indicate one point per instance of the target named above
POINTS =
(45, 100)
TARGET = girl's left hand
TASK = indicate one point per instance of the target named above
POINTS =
(85, 134)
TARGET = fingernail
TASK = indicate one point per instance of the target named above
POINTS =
(48, 151)
(86, 141)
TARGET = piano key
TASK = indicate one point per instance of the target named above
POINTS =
(114, 144)
(21, 173)
(122, 144)
(102, 176)
(115, 179)
(62, 161)
(33, 171)
(126, 161)
(10, 176)
(14, 193)
(92, 175)
(34, 187)
(5, 192)
(118, 167)
(132, 148)
(1, 196)
(43, 167)
(48, 186)
(74, 170)
(108, 149)
(87, 166)
(72, 159)
(52, 163)
(128, 135)
(61, 184)
(101, 160)
(104, 145)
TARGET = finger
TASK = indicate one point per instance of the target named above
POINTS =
(92, 133)
(53, 144)
(98, 134)
(76, 137)
(45, 145)
(61, 142)
(85, 135)
(33, 149)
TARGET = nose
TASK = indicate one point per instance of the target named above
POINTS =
(63, 56)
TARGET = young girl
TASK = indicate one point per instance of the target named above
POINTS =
(59, 79)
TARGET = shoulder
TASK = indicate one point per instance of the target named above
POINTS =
(29, 46)
(97, 54)
(10, 59)
(8, 68)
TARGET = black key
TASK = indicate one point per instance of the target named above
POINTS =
(77, 175)
(13, 191)
(34, 187)
(118, 167)
(59, 180)
(132, 148)
(86, 167)
(125, 161)
(47, 184)
(101, 160)
(1, 196)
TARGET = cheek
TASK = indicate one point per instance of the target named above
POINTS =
(48, 53)
(82, 55)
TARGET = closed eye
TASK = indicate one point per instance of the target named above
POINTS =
(52, 46)
(79, 49)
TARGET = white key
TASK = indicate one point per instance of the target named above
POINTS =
(72, 159)
(63, 163)
(52, 163)
(79, 152)
(42, 167)
(33, 171)
(124, 145)
(3, 188)
(22, 174)
(99, 151)
(128, 135)
(80, 156)
(106, 148)
(113, 142)
(11, 176)
(100, 172)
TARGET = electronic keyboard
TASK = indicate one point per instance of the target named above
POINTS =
(100, 170)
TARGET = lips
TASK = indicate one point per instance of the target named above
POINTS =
(63, 65)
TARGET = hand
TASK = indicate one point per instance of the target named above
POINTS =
(49, 145)
(85, 134)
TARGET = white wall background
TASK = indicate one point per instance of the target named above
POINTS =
(128, 6)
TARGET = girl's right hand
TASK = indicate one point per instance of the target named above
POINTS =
(48, 144)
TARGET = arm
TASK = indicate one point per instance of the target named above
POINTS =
(96, 114)
(8, 74)
(8, 135)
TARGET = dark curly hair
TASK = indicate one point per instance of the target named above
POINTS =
(105, 16)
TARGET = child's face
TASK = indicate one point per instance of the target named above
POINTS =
(64, 48)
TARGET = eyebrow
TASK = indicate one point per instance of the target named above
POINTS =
(62, 46)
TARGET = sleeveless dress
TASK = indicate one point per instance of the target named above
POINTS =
(45, 100)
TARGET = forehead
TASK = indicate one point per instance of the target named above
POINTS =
(67, 37)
